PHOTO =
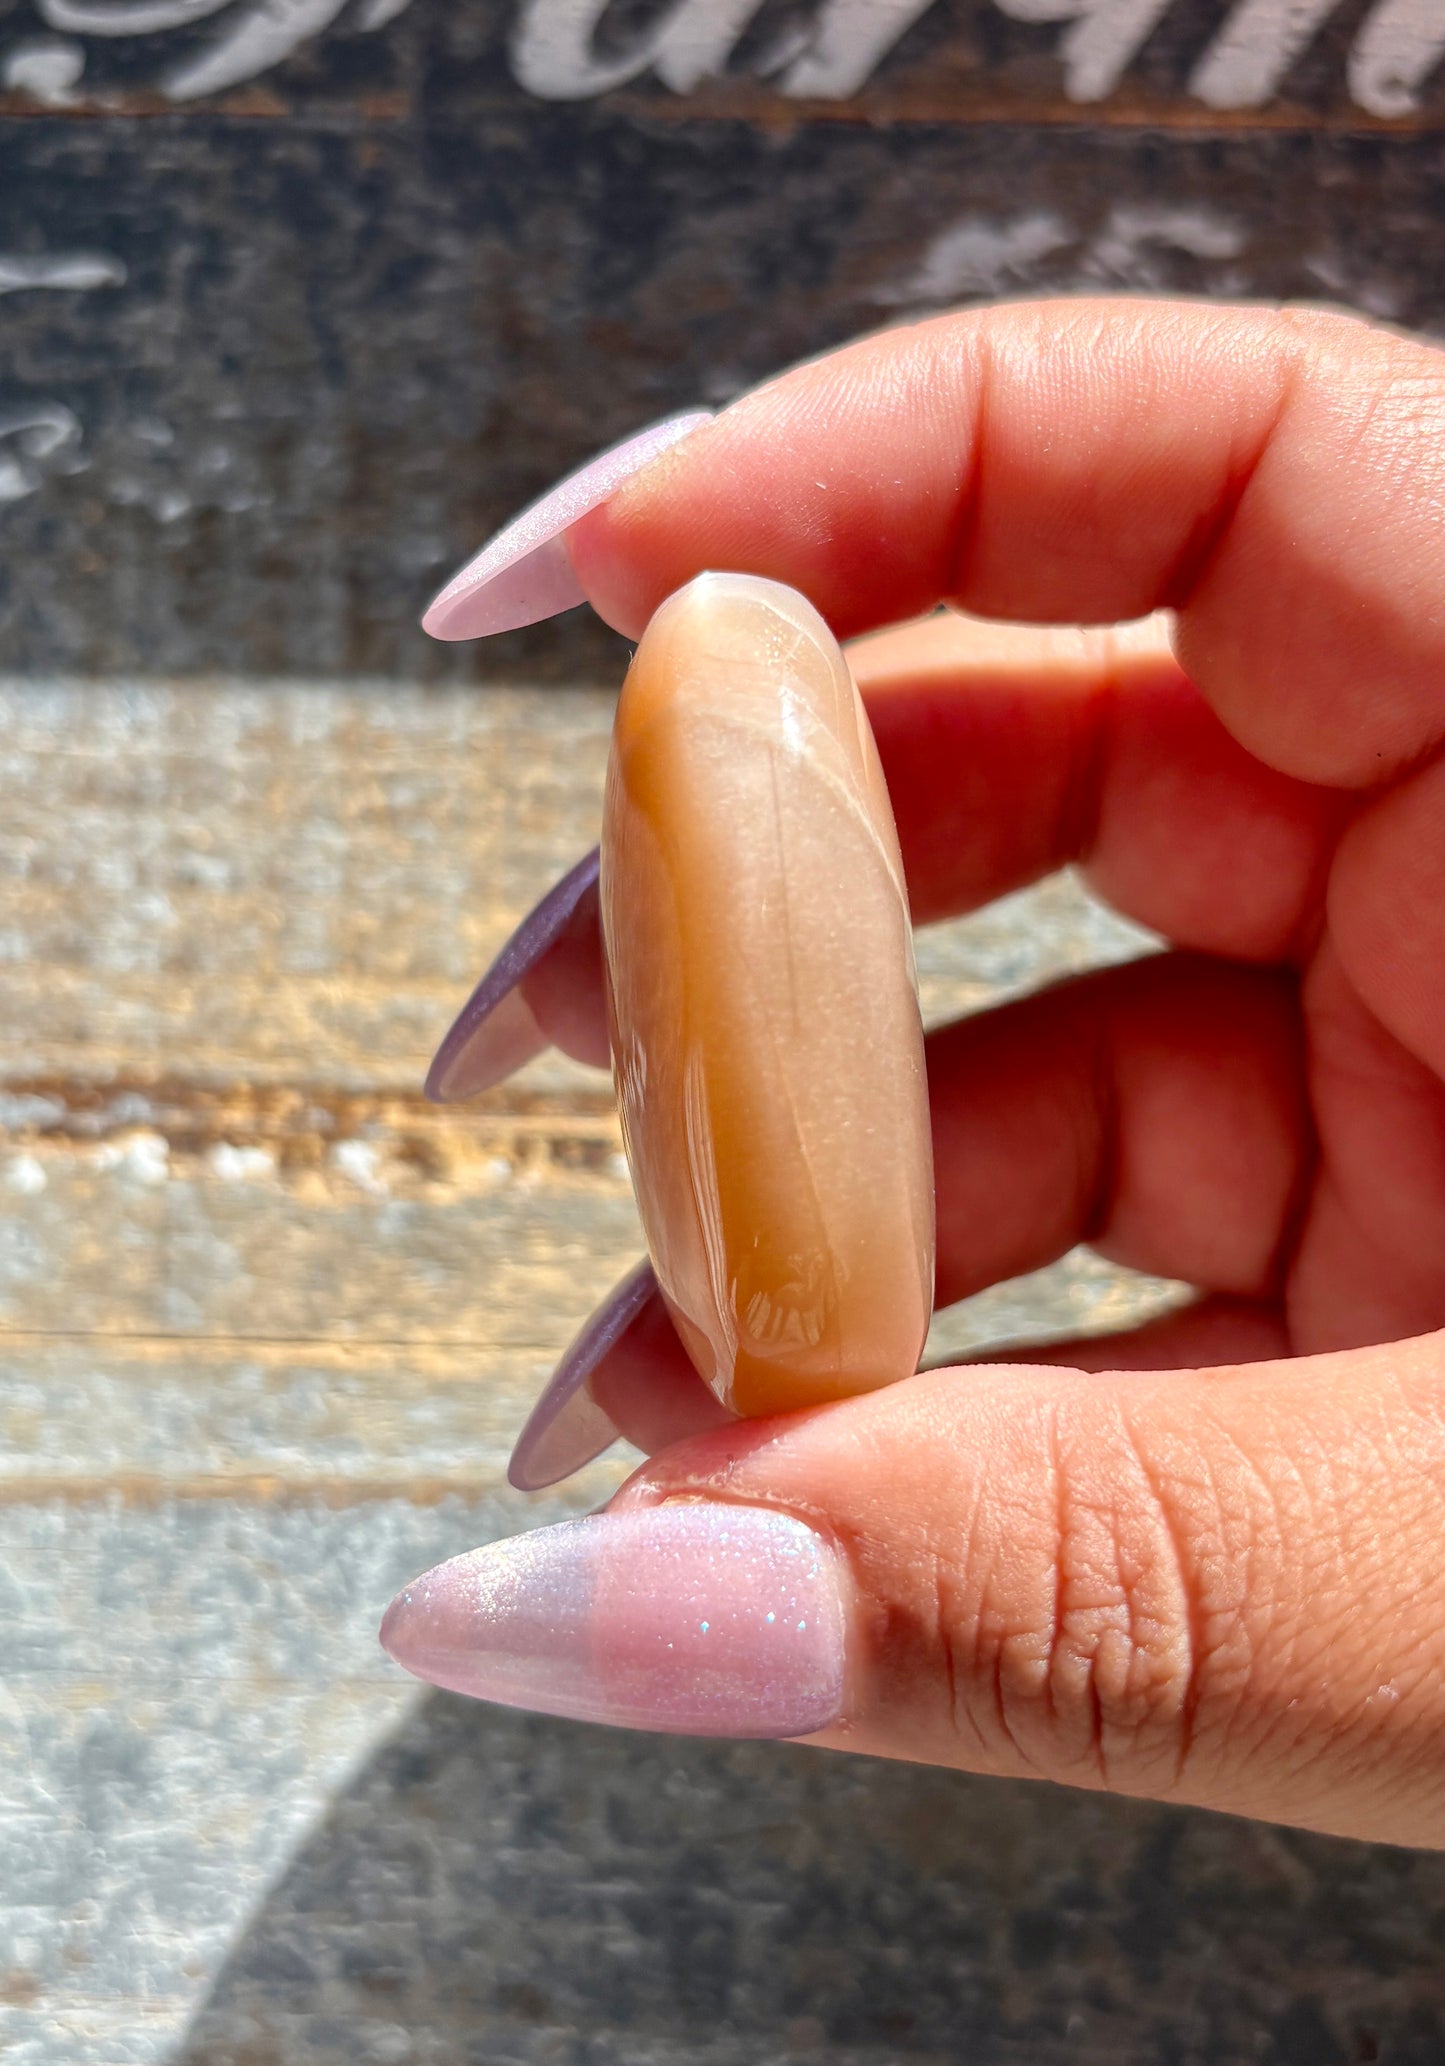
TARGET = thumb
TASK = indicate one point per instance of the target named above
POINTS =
(1221, 1587)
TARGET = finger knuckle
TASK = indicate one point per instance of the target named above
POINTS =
(1096, 1670)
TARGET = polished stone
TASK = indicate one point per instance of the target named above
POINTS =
(766, 1036)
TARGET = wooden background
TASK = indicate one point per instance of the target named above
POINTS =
(297, 299)
(268, 1324)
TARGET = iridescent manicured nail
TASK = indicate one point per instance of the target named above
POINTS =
(626, 1374)
(525, 573)
(697, 1618)
(497, 1029)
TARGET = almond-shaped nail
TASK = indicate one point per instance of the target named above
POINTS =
(626, 1375)
(567, 1428)
(525, 573)
(697, 1618)
(497, 1030)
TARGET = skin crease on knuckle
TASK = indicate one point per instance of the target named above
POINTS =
(1080, 1656)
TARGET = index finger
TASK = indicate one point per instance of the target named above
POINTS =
(1275, 477)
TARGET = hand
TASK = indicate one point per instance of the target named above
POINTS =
(1212, 1569)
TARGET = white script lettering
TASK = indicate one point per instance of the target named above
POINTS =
(849, 42)
(1105, 36)
(1394, 53)
(1249, 57)
(256, 43)
(555, 52)
(125, 17)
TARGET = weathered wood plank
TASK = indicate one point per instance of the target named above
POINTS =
(260, 913)
(280, 354)
(298, 886)
(269, 1322)
(162, 1754)
(149, 1417)
(325, 880)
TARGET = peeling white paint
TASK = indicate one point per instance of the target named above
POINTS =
(697, 39)
(35, 443)
(976, 257)
(241, 1165)
(24, 1108)
(1123, 251)
(360, 1161)
(26, 1174)
(129, 1108)
(554, 51)
(47, 68)
(166, 504)
(1377, 295)
(554, 55)
(48, 429)
(73, 272)
(143, 1158)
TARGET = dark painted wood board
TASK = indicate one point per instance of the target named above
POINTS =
(267, 1327)
(276, 353)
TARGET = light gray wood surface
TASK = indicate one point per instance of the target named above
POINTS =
(268, 1324)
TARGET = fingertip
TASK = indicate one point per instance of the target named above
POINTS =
(611, 572)
(629, 553)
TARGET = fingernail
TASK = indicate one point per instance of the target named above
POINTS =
(567, 1428)
(496, 1030)
(698, 1618)
(525, 573)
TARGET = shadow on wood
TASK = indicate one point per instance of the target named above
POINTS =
(497, 1888)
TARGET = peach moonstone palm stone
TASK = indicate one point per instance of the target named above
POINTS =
(763, 1003)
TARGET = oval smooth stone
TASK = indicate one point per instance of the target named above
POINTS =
(763, 1003)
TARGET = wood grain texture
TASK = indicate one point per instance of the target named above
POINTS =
(268, 1324)
(227, 972)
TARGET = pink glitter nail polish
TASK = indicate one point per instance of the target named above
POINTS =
(696, 1618)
